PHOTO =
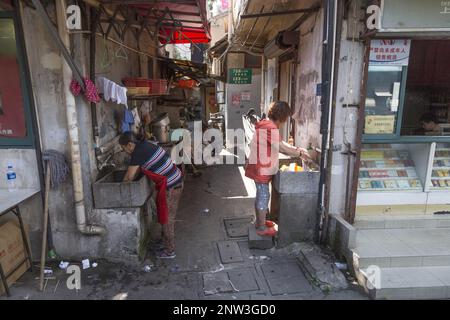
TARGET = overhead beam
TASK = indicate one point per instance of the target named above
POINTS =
(278, 13)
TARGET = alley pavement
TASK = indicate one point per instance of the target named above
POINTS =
(213, 258)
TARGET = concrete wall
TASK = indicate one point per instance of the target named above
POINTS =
(308, 74)
(46, 78)
(348, 89)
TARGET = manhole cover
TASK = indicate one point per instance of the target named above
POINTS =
(243, 280)
(237, 228)
(215, 283)
(229, 252)
(285, 278)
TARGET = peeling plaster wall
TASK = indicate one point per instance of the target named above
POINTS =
(309, 72)
(46, 78)
(349, 80)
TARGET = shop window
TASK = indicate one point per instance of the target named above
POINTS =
(383, 99)
(14, 121)
(408, 89)
(427, 94)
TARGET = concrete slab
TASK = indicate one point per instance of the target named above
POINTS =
(243, 280)
(256, 241)
(237, 228)
(286, 278)
(229, 252)
(214, 283)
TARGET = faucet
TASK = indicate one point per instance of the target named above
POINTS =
(105, 163)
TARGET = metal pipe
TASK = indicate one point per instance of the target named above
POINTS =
(92, 50)
(327, 188)
(329, 36)
(274, 13)
(72, 124)
(230, 22)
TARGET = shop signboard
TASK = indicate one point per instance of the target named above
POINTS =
(393, 52)
(414, 15)
(379, 124)
(240, 76)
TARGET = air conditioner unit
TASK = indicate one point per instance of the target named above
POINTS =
(283, 41)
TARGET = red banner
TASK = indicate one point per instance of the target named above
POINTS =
(12, 115)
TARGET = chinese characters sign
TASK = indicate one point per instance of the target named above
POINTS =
(392, 52)
(379, 124)
(240, 76)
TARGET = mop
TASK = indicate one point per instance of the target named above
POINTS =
(56, 171)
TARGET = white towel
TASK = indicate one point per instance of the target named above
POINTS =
(112, 91)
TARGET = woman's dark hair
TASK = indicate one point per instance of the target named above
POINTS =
(127, 137)
(427, 118)
(279, 111)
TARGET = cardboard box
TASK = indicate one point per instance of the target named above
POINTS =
(12, 252)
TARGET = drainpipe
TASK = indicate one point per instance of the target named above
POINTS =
(72, 124)
(230, 21)
(328, 60)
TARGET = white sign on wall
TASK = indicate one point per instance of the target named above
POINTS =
(393, 52)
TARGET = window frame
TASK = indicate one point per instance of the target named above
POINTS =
(397, 137)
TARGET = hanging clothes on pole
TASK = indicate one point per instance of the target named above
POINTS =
(112, 91)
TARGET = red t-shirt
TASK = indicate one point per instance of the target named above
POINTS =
(262, 163)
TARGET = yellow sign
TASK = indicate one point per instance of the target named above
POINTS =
(379, 124)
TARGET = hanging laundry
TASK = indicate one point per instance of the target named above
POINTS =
(112, 91)
(128, 121)
(137, 121)
(91, 92)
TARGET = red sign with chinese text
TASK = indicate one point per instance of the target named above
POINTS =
(12, 115)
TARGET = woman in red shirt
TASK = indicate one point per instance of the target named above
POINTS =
(262, 163)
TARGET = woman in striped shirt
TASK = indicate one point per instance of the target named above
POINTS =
(151, 157)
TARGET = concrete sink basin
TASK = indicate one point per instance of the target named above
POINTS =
(111, 192)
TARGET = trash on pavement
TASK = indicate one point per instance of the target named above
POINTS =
(48, 271)
(148, 268)
(63, 265)
(94, 264)
(86, 264)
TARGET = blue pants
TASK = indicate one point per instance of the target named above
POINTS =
(262, 196)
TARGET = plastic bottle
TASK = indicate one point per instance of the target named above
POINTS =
(11, 178)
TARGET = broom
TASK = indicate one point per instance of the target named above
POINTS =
(56, 171)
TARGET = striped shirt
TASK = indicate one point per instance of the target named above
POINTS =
(152, 157)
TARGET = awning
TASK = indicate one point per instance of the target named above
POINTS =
(188, 69)
(219, 47)
(178, 22)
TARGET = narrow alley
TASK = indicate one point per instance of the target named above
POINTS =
(200, 270)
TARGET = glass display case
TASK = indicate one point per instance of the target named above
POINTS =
(388, 167)
(440, 175)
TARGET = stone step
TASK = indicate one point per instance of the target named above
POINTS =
(406, 283)
(391, 248)
(403, 221)
(256, 241)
